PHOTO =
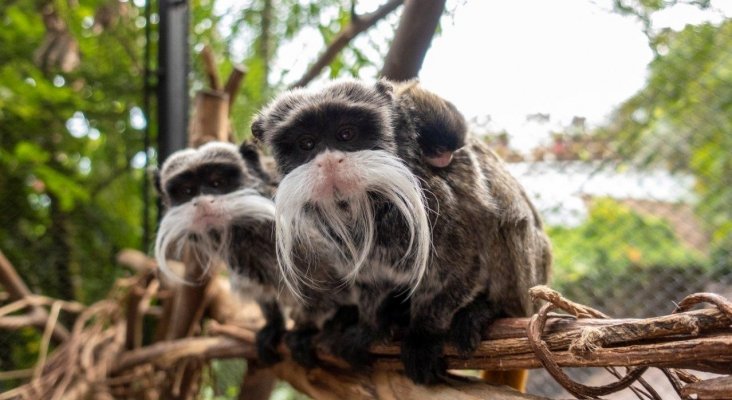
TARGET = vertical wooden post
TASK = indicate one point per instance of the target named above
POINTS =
(210, 118)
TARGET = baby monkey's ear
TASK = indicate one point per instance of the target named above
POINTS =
(441, 128)
(385, 88)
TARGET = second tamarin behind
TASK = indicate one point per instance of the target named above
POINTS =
(218, 204)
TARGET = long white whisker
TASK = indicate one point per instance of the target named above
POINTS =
(350, 232)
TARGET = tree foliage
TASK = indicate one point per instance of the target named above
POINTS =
(614, 239)
(71, 124)
(682, 119)
(70, 196)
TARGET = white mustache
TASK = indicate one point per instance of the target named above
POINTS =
(353, 227)
(178, 225)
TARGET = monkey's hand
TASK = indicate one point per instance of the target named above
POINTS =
(300, 343)
(267, 340)
(422, 356)
(269, 337)
(347, 339)
(465, 334)
(469, 322)
(353, 346)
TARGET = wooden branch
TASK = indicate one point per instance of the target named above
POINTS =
(210, 119)
(189, 305)
(412, 39)
(13, 323)
(708, 353)
(138, 303)
(136, 260)
(209, 67)
(691, 354)
(17, 290)
(165, 354)
(10, 279)
(711, 389)
(234, 83)
(257, 383)
(344, 37)
(317, 383)
(335, 385)
(508, 336)
(16, 374)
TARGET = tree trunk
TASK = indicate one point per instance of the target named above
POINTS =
(412, 39)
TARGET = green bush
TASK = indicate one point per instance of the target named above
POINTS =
(613, 239)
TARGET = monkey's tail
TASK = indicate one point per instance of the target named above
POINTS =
(516, 378)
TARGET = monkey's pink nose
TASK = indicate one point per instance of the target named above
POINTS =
(204, 201)
(329, 160)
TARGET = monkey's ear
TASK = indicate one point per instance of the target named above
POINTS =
(258, 127)
(385, 88)
(250, 154)
(248, 151)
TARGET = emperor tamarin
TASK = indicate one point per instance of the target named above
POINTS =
(416, 208)
(218, 203)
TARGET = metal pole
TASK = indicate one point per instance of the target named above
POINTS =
(172, 77)
(146, 98)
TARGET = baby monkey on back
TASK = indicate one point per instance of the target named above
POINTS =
(424, 221)
(218, 207)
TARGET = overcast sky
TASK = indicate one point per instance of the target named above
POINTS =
(565, 58)
(510, 58)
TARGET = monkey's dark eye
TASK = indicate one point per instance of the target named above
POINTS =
(306, 143)
(188, 190)
(346, 133)
(216, 183)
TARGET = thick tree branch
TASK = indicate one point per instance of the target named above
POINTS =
(412, 39)
(357, 25)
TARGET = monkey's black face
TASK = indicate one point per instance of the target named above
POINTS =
(328, 126)
(336, 149)
(210, 193)
(207, 179)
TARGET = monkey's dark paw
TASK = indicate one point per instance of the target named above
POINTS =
(353, 346)
(465, 334)
(422, 357)
(300, 343)
(267, 340)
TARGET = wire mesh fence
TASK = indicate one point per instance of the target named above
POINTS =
(630, 237)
